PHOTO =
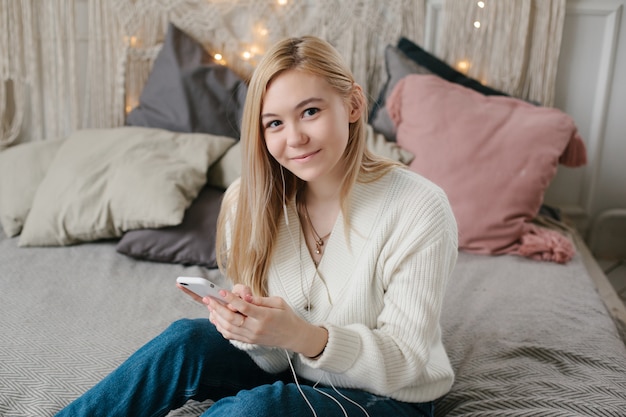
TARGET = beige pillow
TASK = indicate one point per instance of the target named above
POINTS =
(104, 182)
(223, 172)
(378, 143)
(228, 168)
(22, 168)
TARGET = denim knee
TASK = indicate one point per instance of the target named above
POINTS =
(262, 401)
(189, 329)
(190, 336)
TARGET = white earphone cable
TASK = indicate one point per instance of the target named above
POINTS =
(295, 378)
(308, 299)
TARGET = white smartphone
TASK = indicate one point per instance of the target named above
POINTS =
(202, 287)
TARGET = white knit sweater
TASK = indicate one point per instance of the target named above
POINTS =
(378, 290)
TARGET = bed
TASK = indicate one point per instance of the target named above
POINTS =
(101, 223)
(524, 337)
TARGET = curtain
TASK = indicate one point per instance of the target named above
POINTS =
(510, 45)
(38, 88)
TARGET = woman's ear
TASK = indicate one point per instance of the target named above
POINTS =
(357, 103)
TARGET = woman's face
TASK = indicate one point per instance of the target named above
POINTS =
(306, 125)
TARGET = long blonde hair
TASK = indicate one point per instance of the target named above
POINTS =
(248, 221)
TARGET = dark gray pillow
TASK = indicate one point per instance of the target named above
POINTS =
(398, 66)
(409, 58)
(190, 243)
(187, 91)
(436, 66)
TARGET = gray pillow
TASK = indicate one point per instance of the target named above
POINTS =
(409, 58)
(187, 91)
(398, 66)
(190, 243)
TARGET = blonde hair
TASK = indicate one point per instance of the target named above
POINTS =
(248, 221)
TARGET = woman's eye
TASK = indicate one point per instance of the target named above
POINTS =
(311, 112)
(272, 124)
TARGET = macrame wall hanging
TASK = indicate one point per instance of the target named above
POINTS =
(44, 94)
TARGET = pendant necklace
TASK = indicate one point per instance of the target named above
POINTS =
(319, 240)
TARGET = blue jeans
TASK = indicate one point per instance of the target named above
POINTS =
(191, 360)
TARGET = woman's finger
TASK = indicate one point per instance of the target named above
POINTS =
(232, 326)
(242, 291)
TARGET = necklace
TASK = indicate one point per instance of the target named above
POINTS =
(319, 240)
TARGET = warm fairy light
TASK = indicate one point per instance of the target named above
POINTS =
(261, 30)
(282, 2)
(218, 57)
(477, 24)
(131, 103)
(131, 41)
(246, 55)
(481, 4)
(255, 50)
(463, 65)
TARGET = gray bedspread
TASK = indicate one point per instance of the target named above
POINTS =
(525, 337)
(530, 338)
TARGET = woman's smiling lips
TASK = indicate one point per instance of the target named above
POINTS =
(304, 157)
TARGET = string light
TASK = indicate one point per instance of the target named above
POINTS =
(131, 41)
(260, 29)
(480, 4)
(463, 66)
(218, 57)
(282, 2)
(131, 103)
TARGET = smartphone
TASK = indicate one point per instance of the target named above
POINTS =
(202, 287)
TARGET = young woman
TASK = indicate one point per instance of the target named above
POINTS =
(339, 261)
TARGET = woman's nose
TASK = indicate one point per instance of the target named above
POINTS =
(296, 136)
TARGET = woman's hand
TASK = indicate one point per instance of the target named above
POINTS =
(267, 321)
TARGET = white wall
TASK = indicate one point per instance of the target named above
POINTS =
(591, 87)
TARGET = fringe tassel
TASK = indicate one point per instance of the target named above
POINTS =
(575, 154)
(546, 245)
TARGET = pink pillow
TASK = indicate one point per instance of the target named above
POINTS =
(493, 156)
